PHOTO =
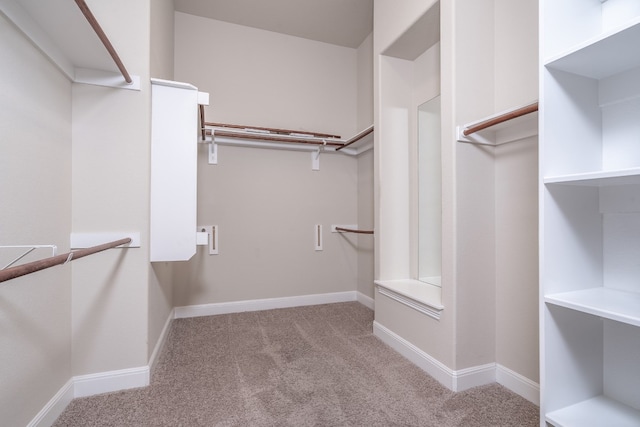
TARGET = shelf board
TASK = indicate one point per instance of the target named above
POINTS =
(61, 32)
(613, 304)
(598, 411)
(602, 56)
(598, 178)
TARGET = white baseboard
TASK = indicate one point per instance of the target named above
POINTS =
(424, 361)
(161, 340)
(365, 300)
(52, 410)
(263, 304)
(518, 384)
(105, 382)
(462, 379)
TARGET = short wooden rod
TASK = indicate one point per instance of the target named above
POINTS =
(32, 267)
(350, 230)
(502, 118)
(103, 38)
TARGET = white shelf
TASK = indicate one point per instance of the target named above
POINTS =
(596, 412)
(59, 29)
(598, 178)
(602, 56)
(613, 304)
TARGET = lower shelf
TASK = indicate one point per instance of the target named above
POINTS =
(621, 306)
(598, 411)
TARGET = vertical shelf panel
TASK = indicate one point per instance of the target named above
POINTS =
(174, 155)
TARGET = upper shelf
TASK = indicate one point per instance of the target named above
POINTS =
(602, 56)
(61, 31)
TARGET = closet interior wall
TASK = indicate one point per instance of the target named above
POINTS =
(266, 202)
(35, 310)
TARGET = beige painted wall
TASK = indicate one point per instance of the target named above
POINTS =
(365, 243)
(110, 169)
(35, 190)
(267, 202)
(475, 188)
(162, 39)
(262, 78)
(160, 274)
(516, 76)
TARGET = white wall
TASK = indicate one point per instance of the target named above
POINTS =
(475, 192)
(267, 202)
(365, 243)
(110, 169)
(160, 274)
(35, 189)
(261, 78)
(516, 174)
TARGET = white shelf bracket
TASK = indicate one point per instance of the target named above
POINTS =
(207, 235)
(213, 153)
(315, 160)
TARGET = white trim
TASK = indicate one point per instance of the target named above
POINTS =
(424, 361)
(423, 297)
(54, 408)
(453, 380)
(262, 304)
(465, 378)
(518, 384)
(366, 300)
(161, 340)
(105, 382)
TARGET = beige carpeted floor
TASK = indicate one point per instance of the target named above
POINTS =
(306, 366)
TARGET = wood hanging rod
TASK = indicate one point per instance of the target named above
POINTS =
(277, 138)
(501, 118)
(351, 230)
(103, 38)
(32, 267)
(356, 138)
(274, 130)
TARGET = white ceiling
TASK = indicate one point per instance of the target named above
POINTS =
(341, 22)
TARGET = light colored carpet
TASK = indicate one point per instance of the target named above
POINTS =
(305, 366)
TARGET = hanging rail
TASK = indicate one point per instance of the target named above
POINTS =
(32, 267)
(104, 39)
(356, 138)
(501, 119)
(351, 230)
(273, 130)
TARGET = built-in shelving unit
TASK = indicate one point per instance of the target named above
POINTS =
(59, 29)
(590, 212)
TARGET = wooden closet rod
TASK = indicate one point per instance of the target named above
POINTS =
(274, 130)
(32, 267)
(356, 138)
(276, 138)
(502, 118)
(104, 39)
(351, 230)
